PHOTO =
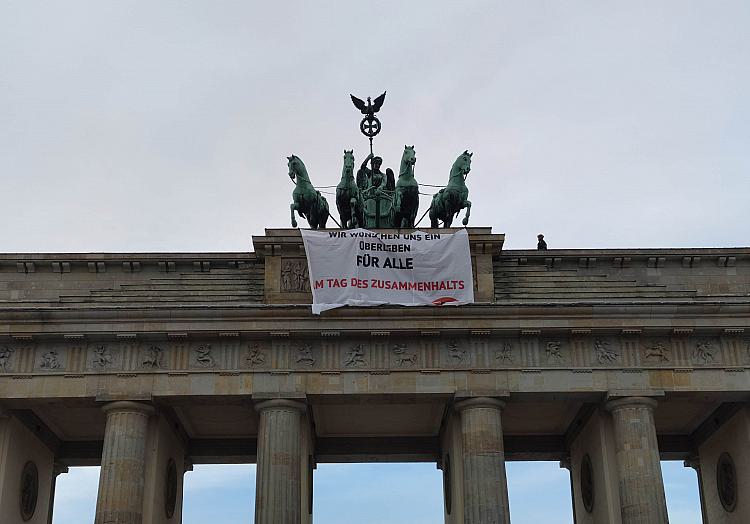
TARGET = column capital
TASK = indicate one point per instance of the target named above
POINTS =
(479, 402)
(128, 406)
(628, 402)
(281, 404)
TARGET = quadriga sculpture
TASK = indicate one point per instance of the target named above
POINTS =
(406, 199)
(308, 202)
(348, 199)
(449, 201)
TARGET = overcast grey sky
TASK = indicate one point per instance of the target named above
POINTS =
(128, 126)
(162, 126)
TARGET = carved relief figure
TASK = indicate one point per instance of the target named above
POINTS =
(102, 357)
(658, 351)
(703, 352)
(603, 354)
(255, 357)
(356, 357)
(203, 356)
(50, 360)
(153, 358)
(294, 276)
(5, 354)
(304, 355)
(403, 356)
(554, 352)
(456, 352)
(505, 353)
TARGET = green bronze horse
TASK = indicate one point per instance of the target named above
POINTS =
(406, 199)
(449, 201)
(348, 199)
(308, 202)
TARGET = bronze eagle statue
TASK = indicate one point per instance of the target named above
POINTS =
(368, 108)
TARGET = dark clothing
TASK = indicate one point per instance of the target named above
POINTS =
(542, 245)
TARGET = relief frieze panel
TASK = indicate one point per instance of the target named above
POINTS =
(103, 357)
(376, 354)
(204, 356)
(404, 355)
(305, 354)
(256, 356)
(606, 351)
(50, 358)
(152, 357)
(505, 354)
(6, 359)
(294, 276)
(705, 351)
(656, 351)
(357, 356)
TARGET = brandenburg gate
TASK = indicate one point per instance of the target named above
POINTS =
(607, 360)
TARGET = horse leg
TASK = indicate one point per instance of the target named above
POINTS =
(412, 218)
(468, 212)
(312, 218)
(294, 207)
(360, 213)
(353, 213)
(323, 218)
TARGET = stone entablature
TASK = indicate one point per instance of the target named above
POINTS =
(579, 350)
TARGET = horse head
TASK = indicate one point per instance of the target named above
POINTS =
(462, 165)
(297, 168)
(348, 169)
(409, 158)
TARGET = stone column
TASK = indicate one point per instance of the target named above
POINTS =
(485, 485)
(121, 480)
(277, 490)
(642, 499)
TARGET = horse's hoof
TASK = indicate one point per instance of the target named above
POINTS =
(465, 221)
(294, 223)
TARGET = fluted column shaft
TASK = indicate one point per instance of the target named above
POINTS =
(277, 490)
(485, 484)
(642, 499)
(121, 480)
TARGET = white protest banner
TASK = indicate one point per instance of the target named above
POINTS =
(358, 267)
